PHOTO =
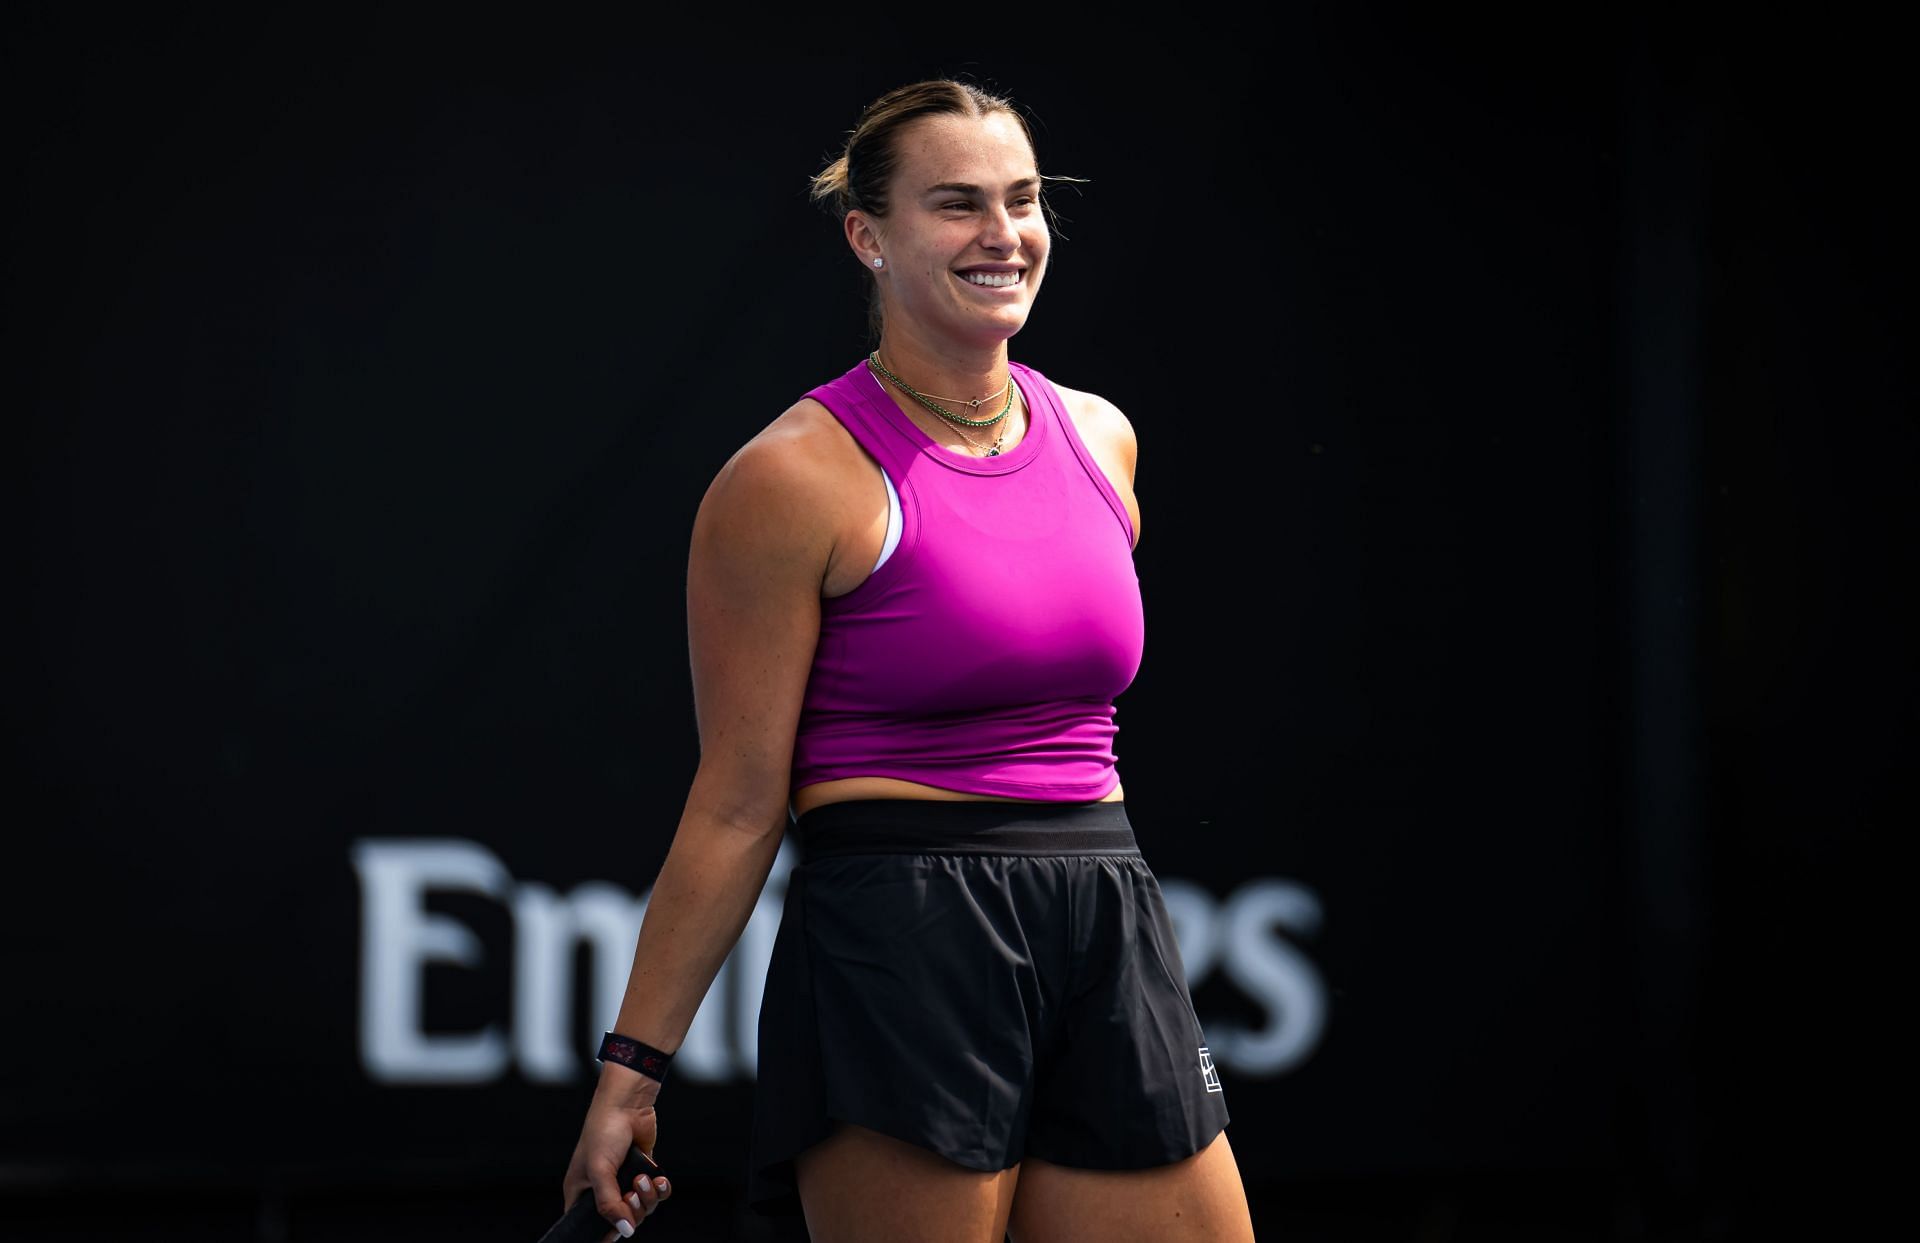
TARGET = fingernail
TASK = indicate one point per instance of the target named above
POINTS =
(626, 1230)
(633, 1198)
(664, 1186)
(646, 1184)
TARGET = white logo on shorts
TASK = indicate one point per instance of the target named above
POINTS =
(1207, 1071)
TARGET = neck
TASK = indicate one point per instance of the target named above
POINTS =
(936, 415)
(945, 370)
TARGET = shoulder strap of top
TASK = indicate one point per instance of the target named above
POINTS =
(1038, 385)
(851, 399)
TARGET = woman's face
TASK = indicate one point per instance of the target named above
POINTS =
(964, 239)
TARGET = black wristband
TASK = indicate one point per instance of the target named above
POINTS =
(630, 1053)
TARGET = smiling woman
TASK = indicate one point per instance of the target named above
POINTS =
(911, 604)
(969, 219)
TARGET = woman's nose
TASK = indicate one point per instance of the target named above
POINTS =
(998, 232)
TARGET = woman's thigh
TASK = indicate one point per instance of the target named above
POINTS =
(859, 1186)
(1198, 1200)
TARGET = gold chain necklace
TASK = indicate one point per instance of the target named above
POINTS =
(992, 450)
(973, 403)
(958, 420)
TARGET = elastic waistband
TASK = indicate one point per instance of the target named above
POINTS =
(912, 826)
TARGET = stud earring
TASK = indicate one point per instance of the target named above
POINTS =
(878, 262)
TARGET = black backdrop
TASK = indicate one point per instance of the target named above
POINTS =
(1525, 442)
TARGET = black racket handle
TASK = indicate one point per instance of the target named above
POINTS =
(582, 1222)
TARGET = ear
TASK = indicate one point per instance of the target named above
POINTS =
(863, 235)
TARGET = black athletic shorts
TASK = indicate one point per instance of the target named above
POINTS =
(986, 980)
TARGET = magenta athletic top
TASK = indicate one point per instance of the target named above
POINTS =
(984, 655)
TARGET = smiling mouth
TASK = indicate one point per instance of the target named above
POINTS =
(995, 280)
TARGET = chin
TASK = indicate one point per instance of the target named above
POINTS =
(1013, 320)
(1003, 332)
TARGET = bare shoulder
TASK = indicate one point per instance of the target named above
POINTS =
(793, 449)
(1106, 431)
(784, 484)
(762, 542)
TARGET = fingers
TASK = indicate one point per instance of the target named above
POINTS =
(647, 1194)
(617, 1215)
(626, 1214)
(615, 1211)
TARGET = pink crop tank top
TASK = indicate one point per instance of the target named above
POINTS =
(985, 653)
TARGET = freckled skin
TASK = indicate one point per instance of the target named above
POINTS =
(935, 323)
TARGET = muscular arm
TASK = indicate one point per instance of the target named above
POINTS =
(762, 542)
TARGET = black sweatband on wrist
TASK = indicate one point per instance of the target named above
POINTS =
(630, 1053)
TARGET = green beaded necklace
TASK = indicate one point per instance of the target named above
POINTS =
(873, 361)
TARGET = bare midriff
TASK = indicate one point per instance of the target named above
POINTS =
(847, 789)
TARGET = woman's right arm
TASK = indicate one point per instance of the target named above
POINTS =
(761, 544)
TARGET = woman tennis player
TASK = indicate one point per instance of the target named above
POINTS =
(911, 603)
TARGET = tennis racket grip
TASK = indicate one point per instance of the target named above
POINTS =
(582, 1223)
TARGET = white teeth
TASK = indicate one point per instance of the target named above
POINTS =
(994, 280)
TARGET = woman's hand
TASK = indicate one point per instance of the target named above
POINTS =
(621, 1117)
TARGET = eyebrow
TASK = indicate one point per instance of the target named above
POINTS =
(961, 187)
